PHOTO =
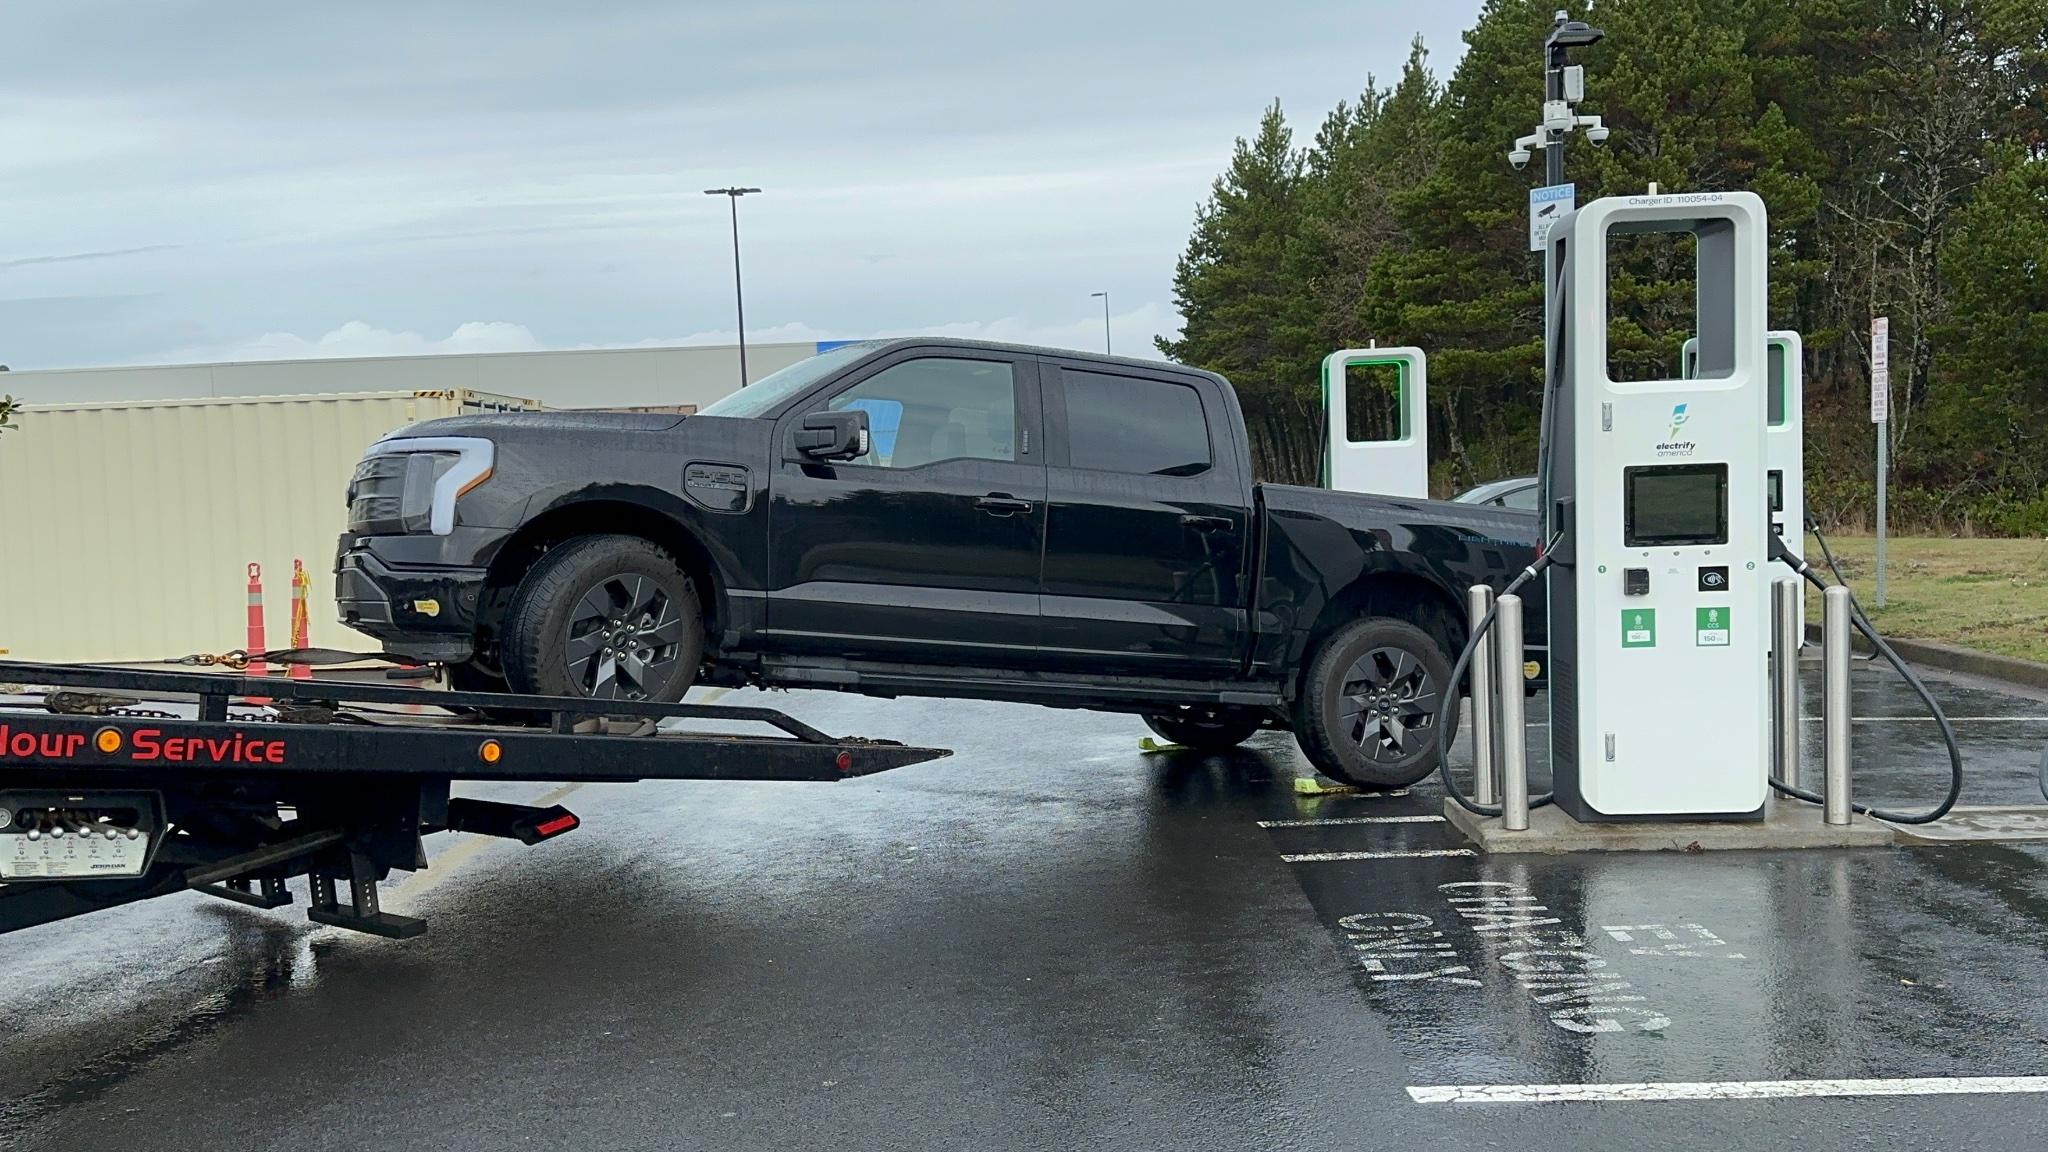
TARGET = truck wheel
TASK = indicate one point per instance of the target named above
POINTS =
(1214, 732)
(1367, 712)
(610, 617)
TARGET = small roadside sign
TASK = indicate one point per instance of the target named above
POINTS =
(1880, 415)
(1546, 207)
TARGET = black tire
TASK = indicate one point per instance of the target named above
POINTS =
(469, 676)
(610, 617)
(1368, 709)
(1213, 732)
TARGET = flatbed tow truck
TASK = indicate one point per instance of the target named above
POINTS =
(121, 785)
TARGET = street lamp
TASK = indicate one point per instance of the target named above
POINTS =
(1105, 320)
(739, 295)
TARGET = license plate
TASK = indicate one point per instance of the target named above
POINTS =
(63, 835)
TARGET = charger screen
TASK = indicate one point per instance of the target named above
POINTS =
(1676, 504)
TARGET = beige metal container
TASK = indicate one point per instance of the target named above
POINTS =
(126, 530)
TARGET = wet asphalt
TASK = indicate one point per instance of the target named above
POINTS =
(1055, 940)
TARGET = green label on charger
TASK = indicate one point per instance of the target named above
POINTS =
(1710, 627)
(1639, 628)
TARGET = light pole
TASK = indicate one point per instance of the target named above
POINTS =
(1105, 320)
(739, 295)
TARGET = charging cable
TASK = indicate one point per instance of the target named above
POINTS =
(1862, 623)
(1447, 725)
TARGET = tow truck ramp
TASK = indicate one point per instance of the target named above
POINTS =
(119, 785)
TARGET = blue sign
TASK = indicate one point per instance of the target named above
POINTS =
(1546, 207)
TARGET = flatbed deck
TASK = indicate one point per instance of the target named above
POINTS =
(119, 785)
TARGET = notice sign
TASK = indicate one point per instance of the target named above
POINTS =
(1639, 628)
(1710, 627)
(1546, 207)
(1880, 369)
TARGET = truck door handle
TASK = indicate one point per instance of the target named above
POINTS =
(1208, 523)
(1003, 504)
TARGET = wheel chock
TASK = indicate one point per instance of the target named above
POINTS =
(1148, 744)
(1317, 786)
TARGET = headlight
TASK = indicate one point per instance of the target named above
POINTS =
(411, 485)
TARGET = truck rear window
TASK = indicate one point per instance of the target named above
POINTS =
(1127, 424)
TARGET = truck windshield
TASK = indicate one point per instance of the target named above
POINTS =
(764, 394)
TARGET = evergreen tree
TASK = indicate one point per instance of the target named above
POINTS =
(1987, 422)
(1896, 144)
(1231, 284)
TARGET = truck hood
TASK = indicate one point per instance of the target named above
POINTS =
(521, 425)
(600, 442)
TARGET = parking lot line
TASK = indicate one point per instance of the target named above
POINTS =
(1329, 857)
(1335, 821)
(1930, 719)
(1727, 1090)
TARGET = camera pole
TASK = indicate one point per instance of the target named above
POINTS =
(1564, 85)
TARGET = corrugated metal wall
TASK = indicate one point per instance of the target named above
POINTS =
(126, 529)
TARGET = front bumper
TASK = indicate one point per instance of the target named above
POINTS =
(424, 611)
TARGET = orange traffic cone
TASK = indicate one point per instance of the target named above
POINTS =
(256, 644)
(302, 624)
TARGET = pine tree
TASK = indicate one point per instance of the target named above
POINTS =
(1987, 423)
(1871, 128)
(1231, 284)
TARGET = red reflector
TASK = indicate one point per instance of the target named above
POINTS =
(558, 825)
(845, 762)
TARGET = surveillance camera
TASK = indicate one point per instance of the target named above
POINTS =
(1519, 158)
(1597, 135)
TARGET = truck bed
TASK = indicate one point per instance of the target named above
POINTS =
(119, 785)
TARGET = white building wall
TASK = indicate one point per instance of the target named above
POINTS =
(594, 378)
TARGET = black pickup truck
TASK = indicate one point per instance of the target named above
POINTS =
(934, 518)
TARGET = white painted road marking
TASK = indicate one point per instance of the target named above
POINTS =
(1930, 719)
(1327, 857)
(1335, 821)
(1727, 1090)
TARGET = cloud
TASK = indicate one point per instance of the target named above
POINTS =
(357, 338)
(1131, 332)
(66, 258)
(436, 163)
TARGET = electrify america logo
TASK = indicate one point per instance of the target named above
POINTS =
(1672, 445)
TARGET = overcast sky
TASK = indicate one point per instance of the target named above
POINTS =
(202, 180)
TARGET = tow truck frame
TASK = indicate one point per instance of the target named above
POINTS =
(120, 785)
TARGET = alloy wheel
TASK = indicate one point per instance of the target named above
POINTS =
(623, 638)
(1388, 704)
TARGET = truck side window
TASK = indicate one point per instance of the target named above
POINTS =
(924, 411)
(1125, 424)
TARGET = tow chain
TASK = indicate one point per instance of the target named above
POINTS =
(71, 703)
(237, 659)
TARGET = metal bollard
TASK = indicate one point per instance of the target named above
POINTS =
(1785, 640)
(1834, 653)
(1514, 740)
(1478, 599)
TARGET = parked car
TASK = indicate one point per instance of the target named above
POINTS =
(930, 518)
(1516, 492)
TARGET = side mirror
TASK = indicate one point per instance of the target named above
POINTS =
(841, 435)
